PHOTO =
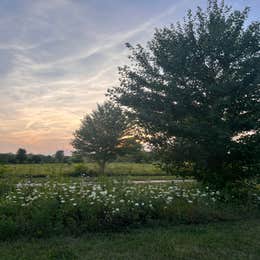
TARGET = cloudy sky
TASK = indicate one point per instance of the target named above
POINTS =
(58, 57)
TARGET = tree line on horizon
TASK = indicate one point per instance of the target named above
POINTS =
(22, 157)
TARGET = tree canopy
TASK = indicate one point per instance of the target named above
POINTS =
(101, 134)
(195, 87)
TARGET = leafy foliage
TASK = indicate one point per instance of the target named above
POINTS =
(195, 89)
(100, 136)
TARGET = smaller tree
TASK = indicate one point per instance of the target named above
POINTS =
(21, 155)
(59, 156)
(101, 134)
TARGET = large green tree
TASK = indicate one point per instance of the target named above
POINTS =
(195, 89)
(101, 135)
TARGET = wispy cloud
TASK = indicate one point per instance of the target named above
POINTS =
(58, 57)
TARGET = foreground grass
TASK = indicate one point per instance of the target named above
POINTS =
(229, 240)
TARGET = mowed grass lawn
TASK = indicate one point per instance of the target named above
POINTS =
(229, 240)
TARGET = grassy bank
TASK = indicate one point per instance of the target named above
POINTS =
(229, 240)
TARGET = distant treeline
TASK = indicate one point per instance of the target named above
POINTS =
(21, 156)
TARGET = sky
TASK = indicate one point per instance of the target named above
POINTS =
(58, 58)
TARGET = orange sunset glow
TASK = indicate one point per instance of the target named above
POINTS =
(59, 57)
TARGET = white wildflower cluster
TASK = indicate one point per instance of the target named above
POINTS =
(116, 198)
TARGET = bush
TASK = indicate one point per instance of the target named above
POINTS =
(241, 192)
(82, 170)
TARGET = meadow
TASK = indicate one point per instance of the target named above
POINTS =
(67, 170)
(187, 99)
(72, 207)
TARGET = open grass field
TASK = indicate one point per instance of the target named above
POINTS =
(63, 170)
(230, 240)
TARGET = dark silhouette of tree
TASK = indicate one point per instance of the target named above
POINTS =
(7, 158)
(195, 89)
(59, 156)
(21, 155)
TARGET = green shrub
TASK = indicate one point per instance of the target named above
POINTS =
(82, 170)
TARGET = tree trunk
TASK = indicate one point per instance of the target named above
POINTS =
(102, 165)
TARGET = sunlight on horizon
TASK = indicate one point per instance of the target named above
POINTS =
(58, 57)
